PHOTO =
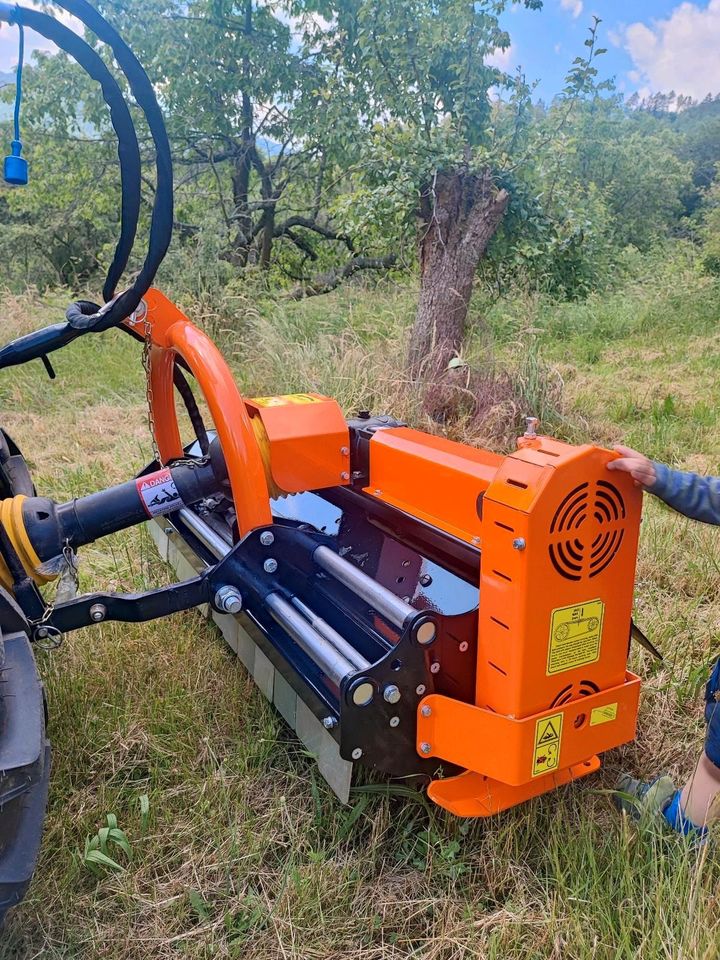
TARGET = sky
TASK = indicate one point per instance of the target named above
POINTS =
(653, 45)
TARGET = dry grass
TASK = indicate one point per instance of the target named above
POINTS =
(246, 854)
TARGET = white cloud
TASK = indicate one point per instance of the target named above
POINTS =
(502, 59)
(679, 53)
(575, 7)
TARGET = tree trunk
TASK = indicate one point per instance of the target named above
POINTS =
(268, 235)
(460, 212)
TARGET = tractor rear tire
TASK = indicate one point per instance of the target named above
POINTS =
(24, 766)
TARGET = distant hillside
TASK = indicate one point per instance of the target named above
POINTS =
(6, 77)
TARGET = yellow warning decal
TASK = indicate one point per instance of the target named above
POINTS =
(603, 714)
(575, 635)
(548, 737)
(285, 400)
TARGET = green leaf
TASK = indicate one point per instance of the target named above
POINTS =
(198, 905)
(96, 858)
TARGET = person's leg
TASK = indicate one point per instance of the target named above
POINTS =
(697, 804)
(697, 800)
(699, 794)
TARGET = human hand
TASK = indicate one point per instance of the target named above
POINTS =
(640, 468)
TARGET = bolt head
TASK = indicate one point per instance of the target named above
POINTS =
(356, 754)
(391, 693)
(394, 721)
(97, 612)
(425, 580)
(425, 711)
(435, 667)
(344, 451)
(41, 633)
(229, 600)
(464, 646)
(344, 475)
(420, 689)
(270, 565)
(425, 748)
(329, 723)
(267, 538)
(519, 543)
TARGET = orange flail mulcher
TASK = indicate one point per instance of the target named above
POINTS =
(410, 604)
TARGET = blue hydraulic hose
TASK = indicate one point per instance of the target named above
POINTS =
(18, 81)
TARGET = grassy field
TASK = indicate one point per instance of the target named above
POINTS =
(244, 852)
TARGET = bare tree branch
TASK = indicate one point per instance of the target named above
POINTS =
(325, 282)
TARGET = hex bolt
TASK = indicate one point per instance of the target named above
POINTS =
(425, 711)
(435, 667)
(270, 565)
(97, 612)
(356, 754)
(228, 600)
(394, 721)
(267, 539)
(519, 543)
(329, 723)
(420, 689)
(391, 693)
(425, 748)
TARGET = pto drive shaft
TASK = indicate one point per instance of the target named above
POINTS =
(41, 529)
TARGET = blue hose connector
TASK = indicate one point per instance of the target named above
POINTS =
(15, 169)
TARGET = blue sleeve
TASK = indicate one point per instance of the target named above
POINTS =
(690, 494)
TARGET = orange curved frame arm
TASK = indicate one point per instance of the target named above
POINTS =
(172, 334)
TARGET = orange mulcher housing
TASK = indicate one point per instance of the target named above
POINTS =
(557, 535)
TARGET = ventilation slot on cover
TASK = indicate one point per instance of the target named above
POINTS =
(587, 530)
(574, 691)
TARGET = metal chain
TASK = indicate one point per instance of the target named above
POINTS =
(146, 362)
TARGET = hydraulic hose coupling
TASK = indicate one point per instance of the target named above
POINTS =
(11, 517)
(15, 167)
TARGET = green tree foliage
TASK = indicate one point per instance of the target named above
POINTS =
(316, 138)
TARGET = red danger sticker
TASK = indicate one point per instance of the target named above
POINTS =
(158, 493)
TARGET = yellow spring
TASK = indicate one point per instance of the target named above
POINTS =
(263, 442)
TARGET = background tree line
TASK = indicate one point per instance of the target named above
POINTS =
(316, 140)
